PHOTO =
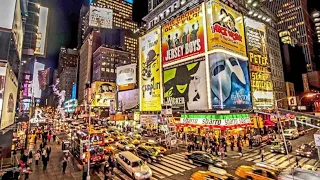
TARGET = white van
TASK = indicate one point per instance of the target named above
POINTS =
(291, 133)
(136, 167)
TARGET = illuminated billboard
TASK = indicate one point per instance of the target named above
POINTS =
(100, 17)
(41, 42)
(229, 82)
(183, 36)
(7, 11)
(259, 64)
(126, 74)
(103, 93)
(225, 28)
(150, 71)
(74, 91)
(128, 99)
(18, 30)
(185, 85)
(9, 98)
(36, 86)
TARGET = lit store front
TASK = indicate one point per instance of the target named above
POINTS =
(230, 124)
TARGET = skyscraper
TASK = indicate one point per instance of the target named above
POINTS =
(293, 16)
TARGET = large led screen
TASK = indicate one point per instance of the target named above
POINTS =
(185, 85)
(41, 42)
(229, 82)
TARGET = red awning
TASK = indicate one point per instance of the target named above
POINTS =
(268, 123)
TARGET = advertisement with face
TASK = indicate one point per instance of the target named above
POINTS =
(9, 99)
(100, 17)
(103, 93)
(185, 85)
(225, 28)
(126, 74)
(259, 64)
(150, 72)
(230, 88)
(128, 99)
(183, 36)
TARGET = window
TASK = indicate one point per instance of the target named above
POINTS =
(258, 171)
(270, 175)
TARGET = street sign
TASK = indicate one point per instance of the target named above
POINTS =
(292, 101)
(317, 139)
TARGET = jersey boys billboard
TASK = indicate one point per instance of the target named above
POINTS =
(183, 36)
(185, 85)
(259, 64)
(150, 72)
(225, 28)
(230, 86)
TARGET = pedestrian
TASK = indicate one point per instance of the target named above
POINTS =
(24, 156)
(48, 149)
(44, 154)
(54, 137)
(45, 163)
(297, 161)
(106, 171)
(240, 150)
(84, 171)
(49, 137)
(26, 173)
(30, 157)
(262, 153)
(64, 164)
(37, 157)
(232, 144)
(112, 162)
(250, 143)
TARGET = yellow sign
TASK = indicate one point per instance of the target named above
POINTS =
(150, 71)
(225, 28)
(102, 93)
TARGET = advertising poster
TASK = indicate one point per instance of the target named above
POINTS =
(7, 9)
(128, 99)
(9, 99)
(229, 82)
(183, 36)
(103, 93)
(150, 72)
(185, 85)
(225, 28)
(259, 64)
(36, 84)
(100, 17)
(126, 74)
(41, 42)
(18, 29)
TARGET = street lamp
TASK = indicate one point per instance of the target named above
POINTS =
(308, 96)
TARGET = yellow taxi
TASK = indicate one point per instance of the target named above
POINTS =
(156, 146)
(259, 171)
(108, 139)
(135, 141)
(109, 149)
(213, 173)
(118, 136)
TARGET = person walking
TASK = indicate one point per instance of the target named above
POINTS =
(112, 162)
(64, 164)
(106, 171)
(48, 149)
(232, 144)
(37, 157)
(54, 136)
(84, 171)
(262, 153)
(30, 157)
(45, 163)
(297, 162)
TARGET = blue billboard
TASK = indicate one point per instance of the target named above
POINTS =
(74, 91)
(229, 82)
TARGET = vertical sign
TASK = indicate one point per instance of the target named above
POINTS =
(150, 71)
(42, 32)
(259, 64)
(305, 82)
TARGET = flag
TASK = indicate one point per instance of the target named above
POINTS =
(43, 77)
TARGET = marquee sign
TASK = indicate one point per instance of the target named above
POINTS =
(220, 120)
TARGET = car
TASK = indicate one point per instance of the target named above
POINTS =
(155, 145)
(300, 174)
(291, 133)
(148, 153)
(205, 158)
(134, 135)
(135, 142)
(258, 172)
(109, 149)
(133, 165)
(117, 136)
(306, 150)
(212, 173)
(125, 145)
(279, 147)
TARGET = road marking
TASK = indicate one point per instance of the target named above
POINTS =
(251, 155)
(173, 167)
(274, 158)
(159, 170)
(182, 163)
(166, 168)
(183, 159)
(280, 160)
(121, 174)
(158, 175)
(176, 164)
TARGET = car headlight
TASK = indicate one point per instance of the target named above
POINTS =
(308, 152)
(137, 174)
(282, 148)
(127, 147)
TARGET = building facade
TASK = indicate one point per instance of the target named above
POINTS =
(293, 16)
(68, 77)
(105, 61)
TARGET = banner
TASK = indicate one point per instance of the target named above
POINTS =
(217, 120)
(225, 28)
(126, 74)
(100, 17)
(259, 65)
(149, 119)
(185, 85)
(230, 88)
(103, 93)
(150, 72)
(43, 77)
(183, 36)
(128, 99)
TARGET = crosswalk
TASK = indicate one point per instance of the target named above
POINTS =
(170, 165)
(280, 160)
